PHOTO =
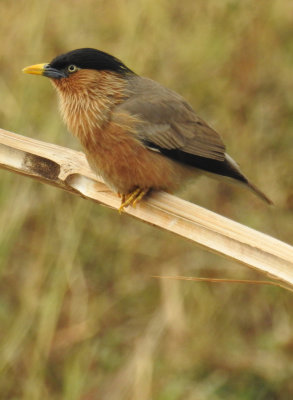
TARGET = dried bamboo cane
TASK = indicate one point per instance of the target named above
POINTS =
(69, 170)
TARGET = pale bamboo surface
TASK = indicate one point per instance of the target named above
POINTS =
(69, 170)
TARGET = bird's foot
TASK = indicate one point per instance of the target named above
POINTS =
(132, 198)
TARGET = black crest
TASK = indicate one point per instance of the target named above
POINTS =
(89, 59)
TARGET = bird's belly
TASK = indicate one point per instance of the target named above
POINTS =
(125, 164)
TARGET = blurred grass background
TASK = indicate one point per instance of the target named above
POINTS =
(80, 315)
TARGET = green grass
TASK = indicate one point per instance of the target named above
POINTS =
(80, 315)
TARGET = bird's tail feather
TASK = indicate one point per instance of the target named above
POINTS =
(243, 180)
(259, 193)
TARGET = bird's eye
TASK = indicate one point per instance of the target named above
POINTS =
(72, 68)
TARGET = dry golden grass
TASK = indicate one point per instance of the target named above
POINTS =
(80, 315)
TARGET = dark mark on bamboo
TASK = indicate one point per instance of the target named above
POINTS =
(42, 166)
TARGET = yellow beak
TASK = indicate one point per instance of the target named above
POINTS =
(37, 69)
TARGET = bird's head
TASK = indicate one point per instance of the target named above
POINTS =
(65, 65)
(89, 83)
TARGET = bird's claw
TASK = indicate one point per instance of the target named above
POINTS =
(132, 198)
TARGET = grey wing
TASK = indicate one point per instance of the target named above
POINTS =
(168, 122)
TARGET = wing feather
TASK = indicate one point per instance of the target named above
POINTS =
(167, 121)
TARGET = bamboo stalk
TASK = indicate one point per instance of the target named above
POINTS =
(69, 170)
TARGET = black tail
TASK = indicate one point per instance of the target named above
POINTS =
(259, 193)
(233, 171)
(227, 168)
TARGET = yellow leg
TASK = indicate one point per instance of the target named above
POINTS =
(139, 197)
(132, 198)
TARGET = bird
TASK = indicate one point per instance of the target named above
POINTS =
(136, 134)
